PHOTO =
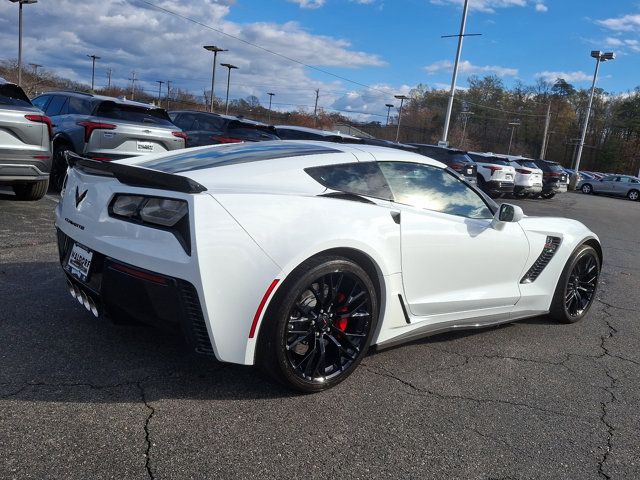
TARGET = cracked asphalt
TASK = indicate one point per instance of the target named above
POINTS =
(84, 399)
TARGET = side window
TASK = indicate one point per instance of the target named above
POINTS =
(41, 102)
(57, 106)
(208, 123)
(79, 106)
(185, 121)
(433, 188)
(364, 178)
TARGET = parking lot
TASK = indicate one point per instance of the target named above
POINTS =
(80, 398)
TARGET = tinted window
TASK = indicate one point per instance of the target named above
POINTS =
(433, 188)
(633, 180)
(252, 132)
(609, 178)
(491, 160)
(287, 134)
(13, 95)
(527, 163)
(79, 106)
(185, 121)
(57, 106)
(360, 178)
(133, 113)
(41, 101)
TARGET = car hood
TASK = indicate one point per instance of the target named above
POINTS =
(557, 227)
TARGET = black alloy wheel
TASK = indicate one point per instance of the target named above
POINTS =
(577, 287)
(58, 166)
(324, 320)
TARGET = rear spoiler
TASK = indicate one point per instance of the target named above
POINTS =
(134, 176)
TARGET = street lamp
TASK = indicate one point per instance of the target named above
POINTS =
(226, 103)
(513, 129)
(20, 3)
(93, 68)
(215, 50)
(402, 98)
(600, 57)
(389, 107)
(271, 94)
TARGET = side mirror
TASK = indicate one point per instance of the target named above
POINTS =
(507, 213)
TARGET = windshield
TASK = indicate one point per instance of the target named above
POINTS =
(13, 95)
(133, 113)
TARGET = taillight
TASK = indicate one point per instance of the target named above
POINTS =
(493, 168)
(41, 119)
(555, 174)
(180, 135)
(90, 126)
(457, 166)
(523, 172)
(220, 139)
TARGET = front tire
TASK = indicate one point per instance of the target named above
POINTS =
(31, 191)
(587, 188)
(577, 287)
(319, 325)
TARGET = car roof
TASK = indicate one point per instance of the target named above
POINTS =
(226, 117)
(102, 98)
(317, 131)
(428, 145)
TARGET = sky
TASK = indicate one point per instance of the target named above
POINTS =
(358, 53)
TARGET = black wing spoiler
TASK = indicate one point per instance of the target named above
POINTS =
(134, 176)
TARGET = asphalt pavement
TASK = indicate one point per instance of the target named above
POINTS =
(81, 398)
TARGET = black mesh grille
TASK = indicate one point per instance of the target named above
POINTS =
(550, 248)
(195, 319)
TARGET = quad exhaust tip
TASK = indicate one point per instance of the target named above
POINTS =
(83, 299)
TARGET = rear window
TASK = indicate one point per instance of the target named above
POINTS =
(491, 160)
(133, 113)
(252, 132)
(527, 163)
(13, 95)
(554, 167)
(459, 157)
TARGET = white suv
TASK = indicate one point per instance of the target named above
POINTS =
(528, 181)
(496, 176)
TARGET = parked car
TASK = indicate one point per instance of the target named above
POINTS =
(105, 128)
(25, 145)
(618, 185)
(528, 181)
(203, 128)
(457, 160)
(394, 247)
(554, 179)
(387, 143)
(294, 132)
(495, 176)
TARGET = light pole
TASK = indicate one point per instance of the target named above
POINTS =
(226, 103)
(93, 68)
(215, 50)
(513, 129)
(160, 83)
(600, 57)
(271, 94)
(464, 127)
(402, 98)
(35, 66)
(20, 3)
(389, 107)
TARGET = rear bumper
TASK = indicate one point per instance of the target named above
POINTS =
(124, 292)
(499, 186)
(25, 167)
(555, 187)
(527, 189)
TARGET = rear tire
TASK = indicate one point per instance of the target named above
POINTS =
(319, 325)
(31, 191)
(59, 165)
(548, 195)
(633, 195)
(577, 286)
(587, 188)
(520, 195)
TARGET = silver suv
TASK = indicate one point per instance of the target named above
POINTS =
(105, 128)
(25, 145)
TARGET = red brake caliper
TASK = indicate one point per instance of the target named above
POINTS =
(341, 323)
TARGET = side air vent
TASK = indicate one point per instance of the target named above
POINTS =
(196, 328)
(549, 250)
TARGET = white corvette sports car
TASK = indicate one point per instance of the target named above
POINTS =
(297, 256)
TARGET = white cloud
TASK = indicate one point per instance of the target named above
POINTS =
(369, 104)
(158, 46)
(570, 77)
(470, 69)
(311, 4)
(487, 6)
(541, 7)
(627, 23)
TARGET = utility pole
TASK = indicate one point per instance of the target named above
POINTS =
(543, 150)
(271, 94)
(133, 84)
(109, 71)
(454, 77)
(168, 92)
(513, 129)
(389, 107)
(159, 82)
(465, 119)
(315, 108)
(402, 98)
(93, 69)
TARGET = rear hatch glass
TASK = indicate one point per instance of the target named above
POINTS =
(252, 132)
(492, 160)
(13, 95)
(554, 167)
(527, 164)
(134, 114)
